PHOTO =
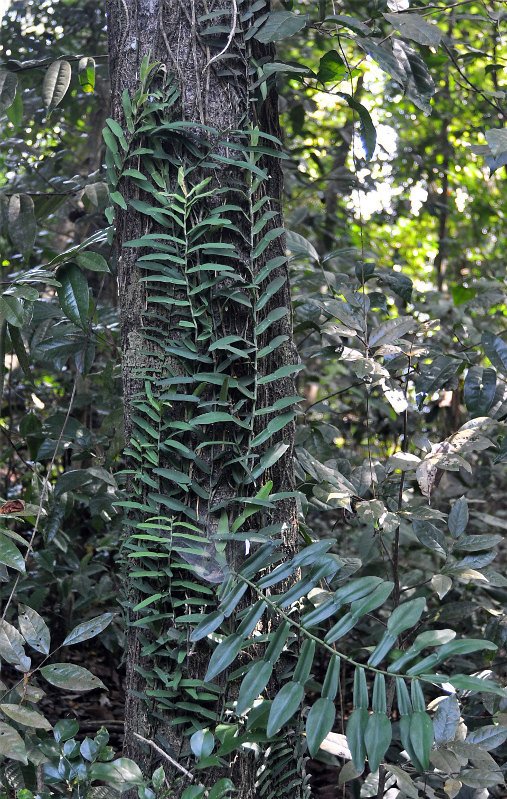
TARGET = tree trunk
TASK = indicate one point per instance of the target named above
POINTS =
(215, 90)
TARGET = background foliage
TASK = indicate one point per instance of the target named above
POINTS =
(394, 126)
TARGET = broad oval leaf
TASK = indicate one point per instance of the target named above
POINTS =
(10, 554)
(202, 743)
(414, 27)
(285, 704)
(479, 390)
(12, 745)
(71, 677)
(55, 84)
(122, 773)
(279, 25)
(88, 629)
(34, 629)
(25, 716)
(446, 720)
(12, 647)
(73, 294)
(319, 722)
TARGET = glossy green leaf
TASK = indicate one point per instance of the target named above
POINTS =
(496, 350)
(123, 773)
(86, 74)
(407, 743)
(356, 728)
(332, 678)
(254, 682)
(305, 661)
(458, 518)
(377, 737)
(88, 629)
(285, 704)
(34, 629)
(55, 84)
(319, 722)
(208, 625)
(10, 554)
(65, 729)
(202, 743)
(93, 261)
(415, 27)
(331, 67)
(421, 736)
(12, 745)
(406, 615)
(360, 688)
(71, 677)
(73, 294)
(279, 25)
(23, 715)
(446, 720)
(12, 647)
(223, 656)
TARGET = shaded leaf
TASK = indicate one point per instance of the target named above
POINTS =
(12, 745)
(88, 629)
(414, 27)
(70, 677)
(73, 294)
(55, 84)
(285, 704)
(8, 86)
(279, 25)
(10, 554)
(22, 224)
(319, 723)
(25, 716)
(446, 720)
(34, 629)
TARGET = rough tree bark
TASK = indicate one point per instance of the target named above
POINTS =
(215, 93)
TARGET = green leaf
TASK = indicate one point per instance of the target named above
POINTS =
(8, 86)
(22, 224)
(12, 310)
(430, 536)
(202, 743)
(319, 722)
(25, 716)
(10, 554)
(254, 682)
(435, 375)
(273, 316)
(419, 86)
(488, 737)
(389, 331)
(366, 126)
(405, 615)
(34, 629)
(19, 348)
(55, 84)
(88, 629)
(331, 67)
(377, 737)
(73, 294)
(71, 677)
(272, 427)
(360, 688)
(421, 736)
(446, 720)
(496, 350)
(458, 518)
(298, 245)
(304, 664)
(122, 773)
(461, 294)
(208, 625)
(12, 745)
(86, 74)
(479, 390)
(415, 27)
(279, 25)
(356, 728)
(226, 651)
(15, 110)
(332, 678)
(93, 261)
(12, 647)
(285, 704)
(464, 682)
(65, 729)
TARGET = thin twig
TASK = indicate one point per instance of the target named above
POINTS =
(164, 754)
